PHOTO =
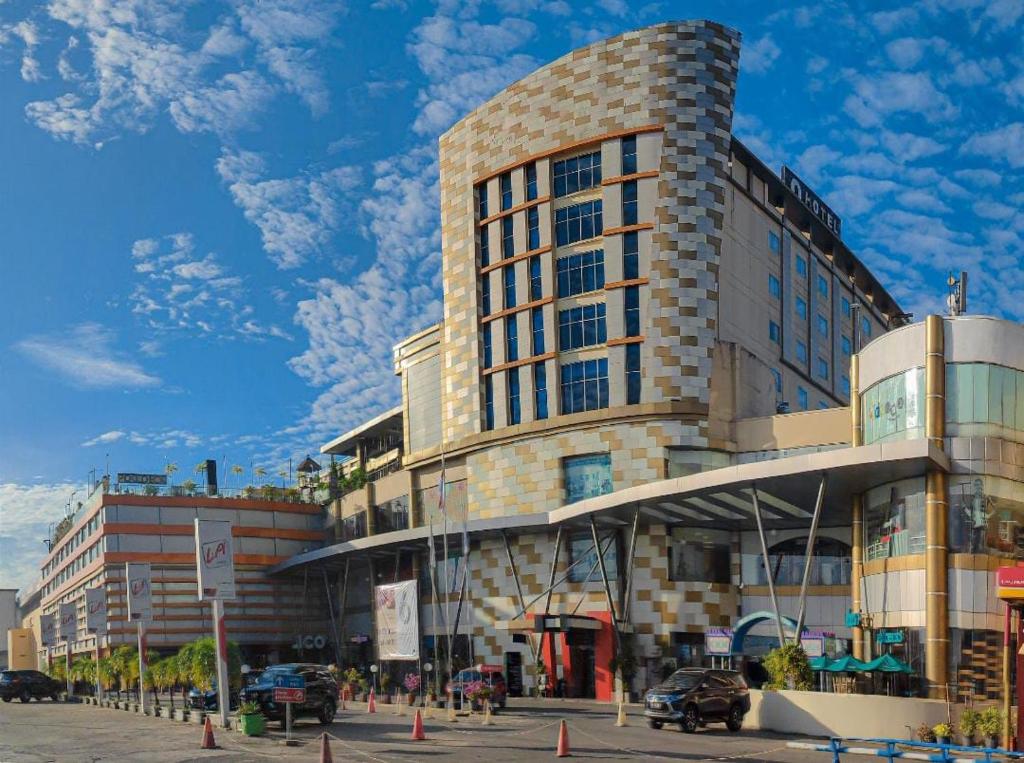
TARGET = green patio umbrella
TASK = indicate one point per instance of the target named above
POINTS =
(819, 663)
(846, 664)
(888, 664)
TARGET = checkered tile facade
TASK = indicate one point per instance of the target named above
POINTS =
(680, 77)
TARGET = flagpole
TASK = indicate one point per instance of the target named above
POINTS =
(432, 571)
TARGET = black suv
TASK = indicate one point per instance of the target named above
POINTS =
(26, 684)
(321, 693)
(694, 697)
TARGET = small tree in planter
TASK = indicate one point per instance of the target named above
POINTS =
(943, 733)
(250, 720)
(788, 668)
(990, 725)
(969, 719)
(412, 686)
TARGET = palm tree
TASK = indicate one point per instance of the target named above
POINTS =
(84, 669)
(283, 474)
(200, 468)
(170, 469)
(260, 472)
(107, 673)
(238, 471)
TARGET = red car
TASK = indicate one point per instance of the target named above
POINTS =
(491, 675)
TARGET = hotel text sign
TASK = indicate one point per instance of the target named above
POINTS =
(814, 204)
(131, 478)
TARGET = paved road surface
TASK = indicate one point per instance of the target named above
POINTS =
(46, 731)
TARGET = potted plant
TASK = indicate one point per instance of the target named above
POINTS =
(990, 725)
(477, 692)
(364, 688)
(925, 733)
(412, 686)
(943, 733)
(385, 684)
(250, 720)
(969, 719)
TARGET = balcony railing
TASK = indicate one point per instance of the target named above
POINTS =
(266, 492)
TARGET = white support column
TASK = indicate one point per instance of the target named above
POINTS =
(221, 639)
(142, 666)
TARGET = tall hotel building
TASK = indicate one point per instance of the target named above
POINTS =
(645, 329)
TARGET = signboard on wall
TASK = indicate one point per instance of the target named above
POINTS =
(68, 621)
(215, 560)
(96, 610)
(140, 591)
(48, 629)
(134, 478)
(812, 202)
(397, 610)
(1010, 583)
(718, 642)
(587, 476)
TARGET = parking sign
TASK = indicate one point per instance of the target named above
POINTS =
(289, 689)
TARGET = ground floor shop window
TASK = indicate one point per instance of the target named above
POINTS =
(688, 649)
(894, 520)
(986, 515)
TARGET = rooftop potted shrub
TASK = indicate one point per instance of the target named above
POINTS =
(250, 720)
(969, 719)
(943, 733)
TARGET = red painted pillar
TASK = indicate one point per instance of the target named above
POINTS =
(567, 666)
(1020, 680)
(550, 664)
(604, 649)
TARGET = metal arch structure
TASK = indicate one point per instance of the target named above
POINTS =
(747, 622)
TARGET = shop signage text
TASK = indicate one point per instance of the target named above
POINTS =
(812, 201)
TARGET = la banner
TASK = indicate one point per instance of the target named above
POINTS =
(140, 591)
(398, 621)
(68, 621)
(48, 629)
(96, 610)
(215, 560)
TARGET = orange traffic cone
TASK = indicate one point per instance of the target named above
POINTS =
(208, 743)
(417, 728)
(563, 742)
(325, 749)
(371, 706)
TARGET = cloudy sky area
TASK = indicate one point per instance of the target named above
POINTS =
(218, 217)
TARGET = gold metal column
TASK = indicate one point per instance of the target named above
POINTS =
(936, 556)
(857, 511)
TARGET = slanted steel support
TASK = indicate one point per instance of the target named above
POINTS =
(628, 587)
(767, 565)
(809, 556)
(607, 585)
(519, 590)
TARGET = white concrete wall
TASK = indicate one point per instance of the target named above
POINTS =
(846, 715)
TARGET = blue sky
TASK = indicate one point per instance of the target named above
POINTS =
(217, 217)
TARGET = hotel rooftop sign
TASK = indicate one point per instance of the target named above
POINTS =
(812, 202)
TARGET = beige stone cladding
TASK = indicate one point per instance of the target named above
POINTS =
(660, 606)
(679, 76)
(526, 476)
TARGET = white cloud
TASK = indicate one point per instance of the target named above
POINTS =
(26, 515)
(296, 216)
(180, 291)
(980, 177)
(84, 357)
(107, 437)
(759, 56)
(1005, 144)
(888, 22)
(813, 160)
(878, 96)
(816, 65)
(29, 35)
(907, 147)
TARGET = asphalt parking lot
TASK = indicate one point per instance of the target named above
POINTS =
(527, 730)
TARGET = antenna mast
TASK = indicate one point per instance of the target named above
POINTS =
(956, 301)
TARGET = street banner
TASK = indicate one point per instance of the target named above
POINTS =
(68, 621)
(140, 591)
(48, 629)
(96, 610)
(397, 608)
(215, 560)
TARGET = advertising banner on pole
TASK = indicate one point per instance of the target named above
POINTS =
(215, 560)
(96, 610)
(140, 593)
(68, 621)
(397, 609)
(48, 629)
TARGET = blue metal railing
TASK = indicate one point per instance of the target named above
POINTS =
(897, 749)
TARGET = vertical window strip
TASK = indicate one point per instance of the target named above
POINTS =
(584, 385)
(580, 273)
(508, 245)
(540, 391)
(632, 374)
(578, 222)
(629, 203)
(514, 408)
(577, 174)
(630, 255)
(506, 191)
(533, 228)
(582, 326)
(511, 339)
(537, 325)
(629, 155)
(631, 299)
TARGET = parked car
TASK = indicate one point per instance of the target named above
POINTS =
(694, 697)
(321, 693)
(207, 700)
(28, 684)
(490, 675)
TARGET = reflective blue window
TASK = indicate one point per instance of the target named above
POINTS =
(582, 326)
(844, 342)
(632, 374)
(508, 247)
(537, 330)
(845, 385)
(631, 299)
(774, 245)
(532, 228)
(801, 397)
(630, 255)
(540, 391)
(777, 375)
(774, 332)
(629, 155)
(774, 287)
(580, 273)
(506, 191)
(822, 324)
(801, 351)
(488, 402)
(822, 368)
(584, 385)
(801, 266)
(801, 307)
(629, 203)
(485, 246)
(536, 283)
(577, 174)
(845, 303)
(865, 325)
(481, 201)
(531, 182)
(488, 354)
(823, 286)
(509, 275)
(515, 415)
(511, 339)
(578, 222)
(485, 293)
